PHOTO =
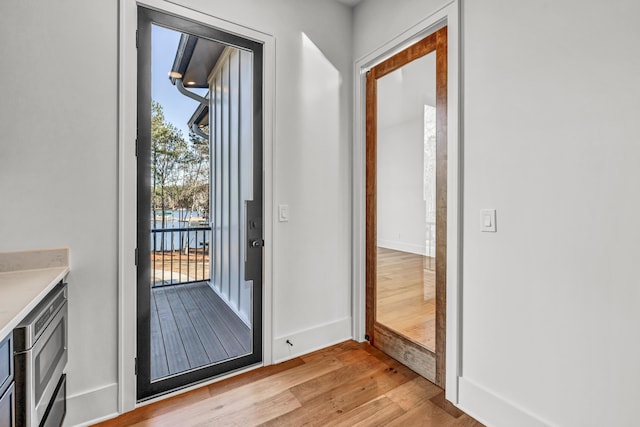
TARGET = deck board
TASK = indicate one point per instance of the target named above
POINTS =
(212, 309)
(159, 366)
(206, 333)
(192, 327)
(176, 354)
(239, 330)
(196, 353)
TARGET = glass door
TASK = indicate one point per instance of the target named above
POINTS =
(199, 203)
(406, 205)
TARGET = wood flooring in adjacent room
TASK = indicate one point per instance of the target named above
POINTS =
(406, 295)
(348, 384)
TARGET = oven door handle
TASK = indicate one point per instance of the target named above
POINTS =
(51, 328)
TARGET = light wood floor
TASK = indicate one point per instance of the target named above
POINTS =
(348, 384)
(406, 290)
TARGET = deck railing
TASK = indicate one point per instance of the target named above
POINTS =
(179, 255)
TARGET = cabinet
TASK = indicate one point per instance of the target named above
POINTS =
(7, 405)
(7, 395)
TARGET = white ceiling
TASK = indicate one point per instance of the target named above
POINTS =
(350, 2)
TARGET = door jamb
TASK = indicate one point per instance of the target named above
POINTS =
(126, 122)
(448, 15)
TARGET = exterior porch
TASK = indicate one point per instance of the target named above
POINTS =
(192, 327)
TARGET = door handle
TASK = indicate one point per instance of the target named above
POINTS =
(256, 243)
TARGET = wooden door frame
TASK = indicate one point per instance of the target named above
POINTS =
(435, 42)
(450, 15)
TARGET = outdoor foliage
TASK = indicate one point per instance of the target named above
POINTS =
(179, 168)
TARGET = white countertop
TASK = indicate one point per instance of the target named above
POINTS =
(25, 279)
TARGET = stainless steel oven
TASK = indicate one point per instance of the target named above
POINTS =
(40, 346)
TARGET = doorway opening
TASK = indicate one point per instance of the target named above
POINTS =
(406, 212)
(200, 205)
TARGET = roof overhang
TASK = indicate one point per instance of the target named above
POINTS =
(194, 61)
(200, 117)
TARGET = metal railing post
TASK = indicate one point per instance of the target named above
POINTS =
(183, 258)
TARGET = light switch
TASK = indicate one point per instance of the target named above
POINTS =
(488, 220)
(283, 213)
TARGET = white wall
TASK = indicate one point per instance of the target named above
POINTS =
(551, 137)
(58, 167)
(311, 164)
(372, 29)
(58, 164)
(551, 141)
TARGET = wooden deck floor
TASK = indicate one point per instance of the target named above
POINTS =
(346, 385)
(192, 327)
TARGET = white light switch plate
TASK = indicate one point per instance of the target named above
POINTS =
(283, 213)
(488, 220)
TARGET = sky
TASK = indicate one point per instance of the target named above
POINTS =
(177, 107)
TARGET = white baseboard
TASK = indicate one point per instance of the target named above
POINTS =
(403, 246)
(311, 339)
(493, 410)
(92, 406)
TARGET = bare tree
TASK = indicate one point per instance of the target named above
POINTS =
(168, 151)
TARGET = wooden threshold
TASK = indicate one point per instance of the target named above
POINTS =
(414, 356)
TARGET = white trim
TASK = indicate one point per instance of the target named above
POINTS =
(269, 112)
(127, 105)
(448, 14)
(311, 339)
(99, 400)
(127, 98)
(454, 206)
(475, 399)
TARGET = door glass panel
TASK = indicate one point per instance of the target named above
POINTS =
(406, 200)
(201, 147)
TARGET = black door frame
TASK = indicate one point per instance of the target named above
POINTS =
(254, 256)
